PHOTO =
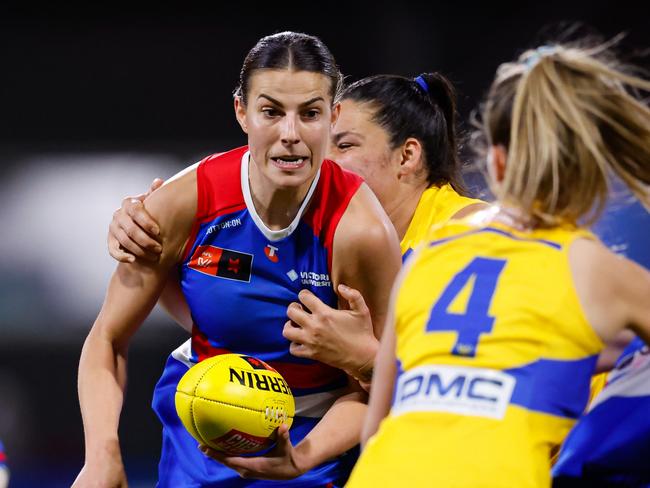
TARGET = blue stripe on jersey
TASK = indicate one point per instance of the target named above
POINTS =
(405, 256)
(549, 386)
(501, 232)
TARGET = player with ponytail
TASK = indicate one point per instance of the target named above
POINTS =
(497, 322)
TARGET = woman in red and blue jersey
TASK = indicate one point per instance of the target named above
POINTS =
(247, 230)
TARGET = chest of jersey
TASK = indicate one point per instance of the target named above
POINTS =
(238, 283)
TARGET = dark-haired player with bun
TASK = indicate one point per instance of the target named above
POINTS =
(245, 231)
(399, 134)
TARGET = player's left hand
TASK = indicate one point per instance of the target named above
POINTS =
(341, 338)
(280, 463)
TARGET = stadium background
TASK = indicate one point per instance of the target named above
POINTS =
(96, 101)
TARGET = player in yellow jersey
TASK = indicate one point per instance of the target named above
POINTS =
(399, 134)
(499, 319)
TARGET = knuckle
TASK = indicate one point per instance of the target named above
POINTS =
(129, 229)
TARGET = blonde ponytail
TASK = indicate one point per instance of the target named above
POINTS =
(568, 118)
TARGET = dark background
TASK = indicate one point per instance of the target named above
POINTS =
(96, 101)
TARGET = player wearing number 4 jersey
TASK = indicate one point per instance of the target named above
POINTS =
(499, 318)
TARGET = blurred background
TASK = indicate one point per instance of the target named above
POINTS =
(97, 101)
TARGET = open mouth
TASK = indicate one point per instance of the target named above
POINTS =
(289, 162)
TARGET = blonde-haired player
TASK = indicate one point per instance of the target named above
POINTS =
(498, 321)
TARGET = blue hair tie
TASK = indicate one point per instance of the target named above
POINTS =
(423, 84)
(537, 55)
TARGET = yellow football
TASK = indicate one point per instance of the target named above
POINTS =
(234, 403)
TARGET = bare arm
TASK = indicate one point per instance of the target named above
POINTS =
(370, 267)
(132, 293)
(385, 366)
(134, 234)
(384, 382)
(614, 291)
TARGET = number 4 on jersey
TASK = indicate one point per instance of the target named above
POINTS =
(482, 275)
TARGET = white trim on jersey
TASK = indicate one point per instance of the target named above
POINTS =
(271, 235)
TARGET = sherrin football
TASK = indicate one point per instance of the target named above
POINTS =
(234, 403)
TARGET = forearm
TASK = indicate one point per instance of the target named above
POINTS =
(380, 398)
(363, 368)
(102, 381)
(338, 431)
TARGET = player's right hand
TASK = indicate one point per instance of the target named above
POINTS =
(133, 233)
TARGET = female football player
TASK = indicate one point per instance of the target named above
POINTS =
(247, 230)
(498, 320)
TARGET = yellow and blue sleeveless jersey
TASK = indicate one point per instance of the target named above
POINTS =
(436, 206)
(495, 357)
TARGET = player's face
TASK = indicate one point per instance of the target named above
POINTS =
(362, 146)
(288, 118)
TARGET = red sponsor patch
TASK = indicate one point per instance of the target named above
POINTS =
(236, 442)
(271, 252)
(223, 263)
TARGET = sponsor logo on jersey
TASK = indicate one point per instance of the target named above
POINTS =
(310, 278)
(465, 391)
(228, 224)
(222, 263)
(271, 252)
(259, 381)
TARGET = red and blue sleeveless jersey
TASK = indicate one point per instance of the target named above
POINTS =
(238, 278)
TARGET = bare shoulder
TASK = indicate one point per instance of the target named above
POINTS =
(470, 209)
(174, 207)
(366, 253)
(612, 289)
(364, 226)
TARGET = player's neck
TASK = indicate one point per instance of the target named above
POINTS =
(401, 209)
(514, 217)
(277, 207)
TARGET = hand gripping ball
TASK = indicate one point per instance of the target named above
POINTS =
(234, 403)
